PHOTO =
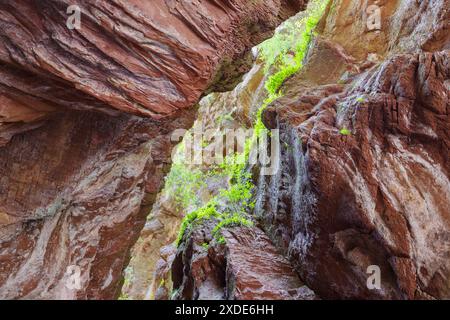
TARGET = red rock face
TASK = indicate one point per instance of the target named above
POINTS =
(378, 196)
(364, 180)
(74, 192)
(364, 177)
(246, 267)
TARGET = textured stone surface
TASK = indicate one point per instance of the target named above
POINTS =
(148, 274)
(246, 267)
(75, 190)
(375, 194)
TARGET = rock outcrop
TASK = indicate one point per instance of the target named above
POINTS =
(86, 117)
(148, 274)
(364, 177)
(363, 184)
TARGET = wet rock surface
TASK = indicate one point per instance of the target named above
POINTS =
(364, 163)
(246, 267)
(79, 167)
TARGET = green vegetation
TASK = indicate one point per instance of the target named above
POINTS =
(173, 294)
(123, 296)
(234, 220)
(206, 212)
(286, 50)
(283, 56)
(360, 99)
(221, 240)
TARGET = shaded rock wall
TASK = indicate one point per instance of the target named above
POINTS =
(148, 274)
(378, 192)
(364, 165)
(246, 267)
(79, 167)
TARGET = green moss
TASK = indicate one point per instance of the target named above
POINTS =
(344, 131)
(183, 183)
(206, 212)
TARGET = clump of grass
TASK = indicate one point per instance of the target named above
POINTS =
(345, 132)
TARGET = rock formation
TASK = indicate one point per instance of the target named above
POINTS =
(364, 161)
(86, 120)
(86, 117)
(248, 267)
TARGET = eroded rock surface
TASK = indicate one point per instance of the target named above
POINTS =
(125, 49)
(79, 167)
(246, 267)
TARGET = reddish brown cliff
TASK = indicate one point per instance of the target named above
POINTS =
(79, 167)
(364, 176)
(364, 162)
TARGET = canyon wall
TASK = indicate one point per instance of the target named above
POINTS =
(86, 117)
(364, 166)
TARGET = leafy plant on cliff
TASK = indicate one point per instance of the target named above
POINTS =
(284, 53)
(286, 50)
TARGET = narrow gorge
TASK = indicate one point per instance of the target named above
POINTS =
(224, 149)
